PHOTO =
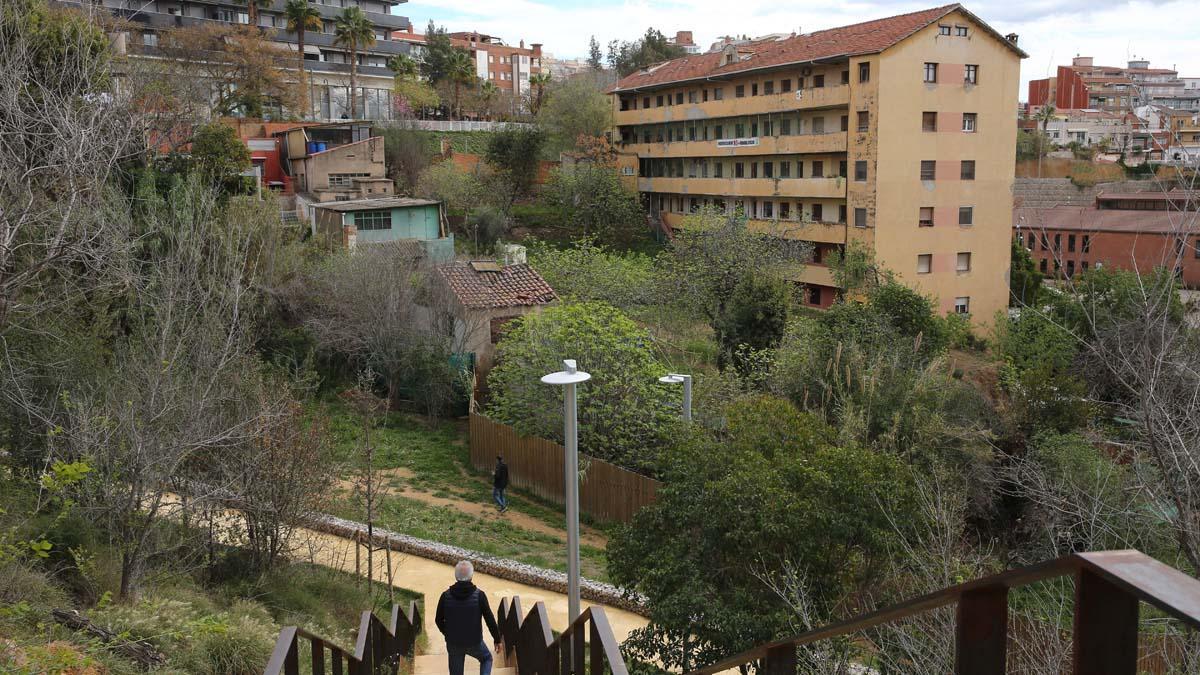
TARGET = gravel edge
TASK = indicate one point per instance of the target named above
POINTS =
(503, 568)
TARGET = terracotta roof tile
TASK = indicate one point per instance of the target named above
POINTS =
(511, 286)
(860, 38)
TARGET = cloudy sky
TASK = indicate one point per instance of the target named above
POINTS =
(1052, 31)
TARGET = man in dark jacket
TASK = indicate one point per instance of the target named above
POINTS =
(499, 483)
(459, 611)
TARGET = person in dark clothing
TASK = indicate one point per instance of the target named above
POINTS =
(499, 483)
(459, 611)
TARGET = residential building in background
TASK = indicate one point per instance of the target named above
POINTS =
(1136, 231)
(1121, 132)
(328, 64)
(509, 68)
(1083, 84)
(683, 40)
(897, 134)
(561, 69)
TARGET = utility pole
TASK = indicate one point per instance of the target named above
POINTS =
(568, 377)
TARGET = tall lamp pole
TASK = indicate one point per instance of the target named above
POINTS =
(568, 377)
(686, 381)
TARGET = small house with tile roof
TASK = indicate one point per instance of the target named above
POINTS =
(487, 295)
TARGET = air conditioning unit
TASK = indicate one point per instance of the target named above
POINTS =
(799, 94)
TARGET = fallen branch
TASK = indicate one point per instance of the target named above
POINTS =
(139, 651)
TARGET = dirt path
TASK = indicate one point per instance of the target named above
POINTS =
(487, 512)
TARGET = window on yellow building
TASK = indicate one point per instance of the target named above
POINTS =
(971, 74)
(925, 217)
(929, 121)
(864, 120)
(964, 262)
(931, 72)
(928, 169)
(864, 72)
(924, 263)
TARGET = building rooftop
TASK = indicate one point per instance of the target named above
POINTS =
(1091, 219)
(371, 204)
(861, 38)
(491, 285)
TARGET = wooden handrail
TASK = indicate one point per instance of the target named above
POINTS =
(378, 646)
(538, 652)
(1108, 587)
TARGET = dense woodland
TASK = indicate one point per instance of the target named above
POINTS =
(166, 346)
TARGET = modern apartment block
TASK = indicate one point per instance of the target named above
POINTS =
(896, 133)
(1083, 84)
(509, 68)
(327, 63)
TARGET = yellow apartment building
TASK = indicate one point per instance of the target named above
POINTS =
(898, 133)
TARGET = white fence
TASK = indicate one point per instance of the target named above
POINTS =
(463, 125)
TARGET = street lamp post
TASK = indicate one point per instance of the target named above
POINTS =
(686, 381)
(568, 377)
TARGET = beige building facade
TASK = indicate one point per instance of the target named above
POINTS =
(897, 134)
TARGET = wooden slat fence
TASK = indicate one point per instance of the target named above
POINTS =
(607, 492)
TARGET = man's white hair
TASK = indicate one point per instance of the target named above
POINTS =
(464, 570)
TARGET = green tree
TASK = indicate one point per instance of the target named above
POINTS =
(353, 30)
(1024, 280)
(739, 509)
(712, 253)
(410, 94)
(592, 202)
(575, 107)
(435, 58)
(219, 154)
(651, 48)
(624, 414)
(755, 318)
(301, 17)
(595, 58)
(515, 154)
(538, 82)
(590, 271)
(461, 71)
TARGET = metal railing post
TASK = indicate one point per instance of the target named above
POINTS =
(1106, 627)
(981, 632)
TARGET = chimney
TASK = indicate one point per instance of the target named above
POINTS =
(1082, 61)
(683, 37)
(537, 48)
(522, 44)
(1012, 37)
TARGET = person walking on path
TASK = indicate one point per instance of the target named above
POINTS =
(459, 611)
(499, 483)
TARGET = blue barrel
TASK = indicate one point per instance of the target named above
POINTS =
(312, 147)
(322, 146)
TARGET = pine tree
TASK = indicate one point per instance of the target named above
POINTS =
(594, 54)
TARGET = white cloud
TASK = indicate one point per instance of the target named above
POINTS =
(1052, 31)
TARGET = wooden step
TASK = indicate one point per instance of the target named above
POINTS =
(436, 664)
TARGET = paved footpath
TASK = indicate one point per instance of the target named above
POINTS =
(430, 578)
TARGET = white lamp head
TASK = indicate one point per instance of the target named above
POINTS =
(570, 374)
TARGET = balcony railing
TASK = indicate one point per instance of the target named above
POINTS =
(832, 142)
(810, 188)
(731, 106)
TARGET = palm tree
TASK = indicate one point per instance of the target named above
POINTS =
(461, 71)
(301, 16)
(538, 82)
(487, 93)
(1044, 116)
(353, 30)
(403, 66)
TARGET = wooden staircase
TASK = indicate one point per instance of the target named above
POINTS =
(380, 647)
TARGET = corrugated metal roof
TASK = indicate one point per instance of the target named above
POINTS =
(373, 204)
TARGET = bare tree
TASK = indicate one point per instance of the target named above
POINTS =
(65, 127)
(176, 397)
(387, 310)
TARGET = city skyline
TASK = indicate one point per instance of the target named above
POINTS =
(1050, 31)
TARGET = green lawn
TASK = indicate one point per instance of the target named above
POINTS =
(436, 459)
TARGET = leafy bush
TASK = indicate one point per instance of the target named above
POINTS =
(624, 414)
(587, 271)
